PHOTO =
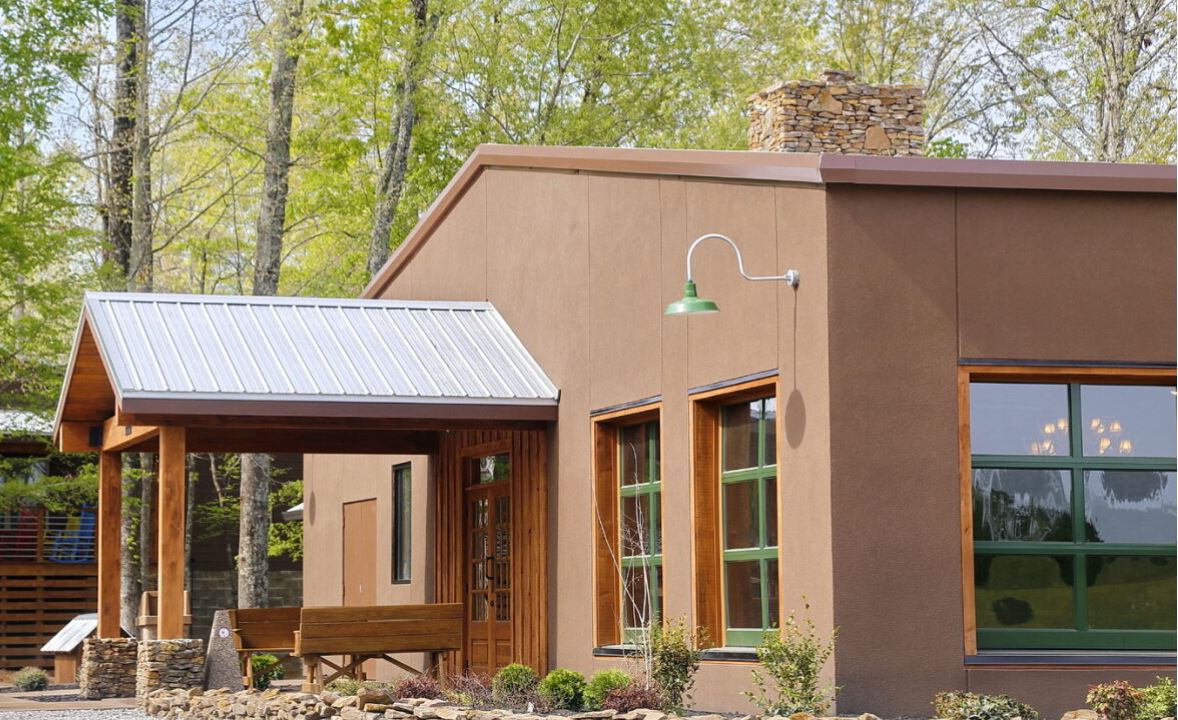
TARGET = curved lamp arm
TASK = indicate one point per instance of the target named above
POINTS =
(791, 276)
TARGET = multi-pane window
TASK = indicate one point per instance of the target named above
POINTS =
(641, 540)
(402, 522)
(748, 480)
(1074, 511)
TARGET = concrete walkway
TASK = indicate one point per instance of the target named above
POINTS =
(24, 701)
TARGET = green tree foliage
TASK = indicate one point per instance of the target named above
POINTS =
(286, 536)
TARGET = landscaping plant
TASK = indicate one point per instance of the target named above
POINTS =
(602, 684)
(563, 689)
(675, 652)
(418, 686)
(30, 679)
(972, 706)
(514, 683)
(792, 659)
(1116, 700)
(633, 697)
(1159, 700)
(267, 669)
(469, 688)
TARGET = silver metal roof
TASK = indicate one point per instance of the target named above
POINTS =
(24, 422)
(71, 636)
(218, 347)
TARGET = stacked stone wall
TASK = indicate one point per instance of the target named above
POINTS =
(169, 665)
(108, 668)
(837, 115)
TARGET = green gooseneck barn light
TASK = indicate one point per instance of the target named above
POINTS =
(692, 303)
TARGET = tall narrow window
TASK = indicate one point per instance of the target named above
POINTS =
(402, 522)
(1074, 507)
(639, 492)
(748, 484)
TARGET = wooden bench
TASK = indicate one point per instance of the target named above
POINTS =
(262, 630)
(356, 634)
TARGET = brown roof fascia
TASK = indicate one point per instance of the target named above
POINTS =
(803, 168)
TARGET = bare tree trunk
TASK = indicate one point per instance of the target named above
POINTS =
(142, 258)
(190, 504)
(253, 541)
(123, 133)
(129, 587)
(396, 158)
(253, 582)
(147, 521)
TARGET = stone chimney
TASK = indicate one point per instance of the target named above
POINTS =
(838, 115)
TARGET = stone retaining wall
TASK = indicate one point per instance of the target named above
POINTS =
(837, 115)
(169, 664)
(108, 668)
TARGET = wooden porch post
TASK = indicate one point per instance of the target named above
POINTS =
(171, 533)
(110, 517)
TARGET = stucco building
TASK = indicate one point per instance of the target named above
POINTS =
(978, 355)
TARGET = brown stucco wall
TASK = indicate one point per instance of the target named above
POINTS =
(919, 278)
(897, 285)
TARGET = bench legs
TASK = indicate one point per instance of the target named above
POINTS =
(312, 675)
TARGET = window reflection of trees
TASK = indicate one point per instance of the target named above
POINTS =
(1021, 504)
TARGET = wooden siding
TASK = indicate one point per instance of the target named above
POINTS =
(37, 600)
(529, 489)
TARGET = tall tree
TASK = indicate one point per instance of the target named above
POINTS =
(253, 559)
(396, 158)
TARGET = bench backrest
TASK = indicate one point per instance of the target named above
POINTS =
(264, 628)
(434, 627)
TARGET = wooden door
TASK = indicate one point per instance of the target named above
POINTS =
(489, 605)
(360, 559)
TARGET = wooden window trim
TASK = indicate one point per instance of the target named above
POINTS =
(707, 549)
(607, 583)
(1123, 375)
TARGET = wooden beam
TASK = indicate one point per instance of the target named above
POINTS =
(74, 437)
(124, 437)
(171, 533)
(306, 440)
(110, 514)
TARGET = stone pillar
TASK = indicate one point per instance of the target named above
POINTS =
(108, 668)
(837, 115)
(169, 664)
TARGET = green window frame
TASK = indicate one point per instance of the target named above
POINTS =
(642, 554)
(1074, 563)
(760, 480)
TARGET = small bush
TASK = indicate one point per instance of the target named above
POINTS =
(418, 686)
(793, 659)
(345, 686)
(1116, 700)
(513, 683)
(563, 689)
(602, 684)
(633, 697)
(972, 706)
(470, 689)
(267, 669)
(1160, 700)
(30, 679)
(674, 657)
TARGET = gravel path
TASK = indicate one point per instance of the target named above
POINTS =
(50, 714)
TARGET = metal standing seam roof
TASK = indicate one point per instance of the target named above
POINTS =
(275, 349)
(71, 636)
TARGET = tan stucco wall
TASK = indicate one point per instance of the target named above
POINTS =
(1031, 276)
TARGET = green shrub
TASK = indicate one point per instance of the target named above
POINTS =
(345, 686)
(1116, 700)
(972, 706)
(563, 689)
(674, 657)
(602, 683)
(30, 679)
(1159, 700)
(513, 683)
(267, 669)
(792, 660)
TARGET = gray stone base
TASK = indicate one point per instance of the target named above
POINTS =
(169, 665)
(108, 668)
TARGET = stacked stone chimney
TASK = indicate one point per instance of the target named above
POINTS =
(838, 115)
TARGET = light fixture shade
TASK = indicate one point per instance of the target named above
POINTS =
(691, 304)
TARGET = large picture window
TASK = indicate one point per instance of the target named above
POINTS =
(1074, 501)
(748, 477)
